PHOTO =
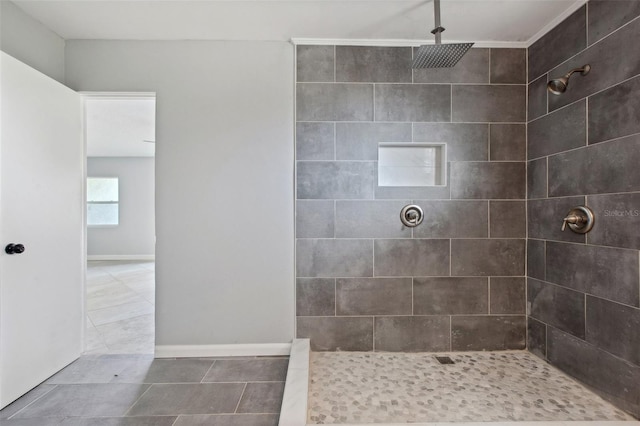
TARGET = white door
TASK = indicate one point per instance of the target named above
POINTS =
(41, 207)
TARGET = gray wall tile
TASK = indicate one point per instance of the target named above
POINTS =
(315, 141)
(559, 44)
(545, 219)
(488, 333)
(602, 271)
(450, 219)
(482, 257)
(472, 68)
(359, 141)
(557, 306)
(559, 131)
(450, 296)
(508, 295)
(537, 338)
(538, 97)
(465, 142)
(314, 219)
(441, 192)
(489, 103)
(373, 64)
(509, 66)
(612, 378)
(334, 102)
(334, 258)
(615, 112)
(412, 334)
(601, 168)
(612, 50)
(508, 142)
(614, 328)
(370, 219)
(616, 215)
(315, 296)
(537, 178)
(482, 180)
(412, 102)
(411, 257)
(337, 333)
(330, 180)
(315, 63)
(507, 219)
(536, 253)
(373, 296)
(605, 16)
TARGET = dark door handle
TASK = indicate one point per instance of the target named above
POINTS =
(14, 248)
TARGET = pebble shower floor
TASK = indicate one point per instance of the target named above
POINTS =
(356, 387)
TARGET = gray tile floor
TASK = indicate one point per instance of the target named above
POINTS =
(136, 390)
(120, 307)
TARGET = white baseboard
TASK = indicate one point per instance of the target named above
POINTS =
(201, 351)
(121, 257)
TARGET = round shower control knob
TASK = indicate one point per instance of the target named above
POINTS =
(411, 215)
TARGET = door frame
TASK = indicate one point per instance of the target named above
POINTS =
(84, 96)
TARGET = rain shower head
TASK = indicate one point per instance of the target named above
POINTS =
(557, 86)
(439, 55)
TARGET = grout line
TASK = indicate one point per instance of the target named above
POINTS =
(335, 141)
(488, 218)
(205, 374)
(136, 401)
(373, 333)
(450, 333)
(31, 403)
(240, 399)
(451, 103)
(334, 63)
(335, 297)
(586, 122)
(413, 283)
(489, 295)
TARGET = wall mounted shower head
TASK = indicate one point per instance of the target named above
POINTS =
(557, 86)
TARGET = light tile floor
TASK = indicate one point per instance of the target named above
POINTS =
(120, 307)
(357, 387)
(136, 390)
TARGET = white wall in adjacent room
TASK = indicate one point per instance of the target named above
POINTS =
(135, 233)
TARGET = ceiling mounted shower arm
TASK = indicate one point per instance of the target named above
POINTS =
(437, 31)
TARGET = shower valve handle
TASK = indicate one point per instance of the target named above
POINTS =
(579, 219)
(572, 218)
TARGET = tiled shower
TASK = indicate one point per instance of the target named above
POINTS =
(489, 268)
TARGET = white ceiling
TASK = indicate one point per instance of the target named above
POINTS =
(119, 127)
(490, 22)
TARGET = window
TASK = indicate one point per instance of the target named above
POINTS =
(102, 201)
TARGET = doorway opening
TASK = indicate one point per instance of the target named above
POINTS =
(120, 220)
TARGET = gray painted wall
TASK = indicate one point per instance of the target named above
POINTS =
(224, 180)
(456, 282)
(29, 41)
(135, 233)
(584, 290)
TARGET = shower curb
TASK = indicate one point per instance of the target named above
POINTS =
(296, 387)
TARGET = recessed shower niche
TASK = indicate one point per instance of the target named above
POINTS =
(412, 164)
